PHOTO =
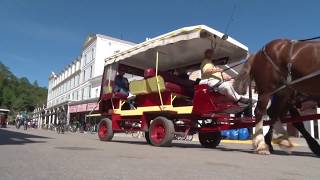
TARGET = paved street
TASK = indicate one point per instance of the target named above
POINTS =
(41, 154)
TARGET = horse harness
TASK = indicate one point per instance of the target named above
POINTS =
(287, 81)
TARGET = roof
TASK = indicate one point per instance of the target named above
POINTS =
(115, 39)
(92, 37)
(181, 47)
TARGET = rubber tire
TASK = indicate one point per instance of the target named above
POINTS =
(146, 135)
(109, 135)
(210, 140)
(169, 131)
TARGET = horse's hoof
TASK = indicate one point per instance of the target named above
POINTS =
(285, 145)
(263, 149)
(314, 146)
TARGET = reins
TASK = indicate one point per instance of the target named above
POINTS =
(230, 67)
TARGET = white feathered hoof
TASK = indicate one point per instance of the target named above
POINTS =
(262, 149)
(285, 144)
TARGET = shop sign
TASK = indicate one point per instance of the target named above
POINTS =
(72, 109)
(92, 106)
(82, 107)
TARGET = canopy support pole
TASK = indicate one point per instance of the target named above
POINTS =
(158, 85)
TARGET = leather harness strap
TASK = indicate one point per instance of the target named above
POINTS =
(289, 65)
(287, 82)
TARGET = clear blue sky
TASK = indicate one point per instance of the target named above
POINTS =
(40, 36)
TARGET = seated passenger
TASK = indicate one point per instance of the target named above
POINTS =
(212, 76)
(121, 84)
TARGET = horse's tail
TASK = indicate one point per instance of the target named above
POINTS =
(243, 79)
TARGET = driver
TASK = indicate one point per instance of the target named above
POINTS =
(214, 77)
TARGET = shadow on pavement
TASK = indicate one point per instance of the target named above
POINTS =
(17, 138)
(174, 144)
(219, 148)
(276, 152)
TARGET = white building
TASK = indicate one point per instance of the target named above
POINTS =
(76, 89)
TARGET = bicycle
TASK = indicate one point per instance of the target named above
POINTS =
(72, 127)
(25, 124)
(93, 128)
(60, 128)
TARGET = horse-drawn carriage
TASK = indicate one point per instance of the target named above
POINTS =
(166, 105)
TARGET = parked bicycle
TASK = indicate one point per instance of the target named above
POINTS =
(93, 128)
(25, 124)
(60, 128)
(18, 123)
(73, 127)
(52, 127)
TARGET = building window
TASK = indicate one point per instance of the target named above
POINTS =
(75, 95)
(64, 87)
(86, 93)
(87, 73)
(72, 83)
(69, 84)
(93, 54)
(83, 75)
(89, 91)
(84, 60)
(97, 92)
(76, 80)
(90, 72)
(89, 57)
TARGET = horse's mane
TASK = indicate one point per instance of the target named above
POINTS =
(244, 77)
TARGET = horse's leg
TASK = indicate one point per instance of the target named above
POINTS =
(281, 137)
(268, 138)
(259, 144)
(312, 143)
(279, 109)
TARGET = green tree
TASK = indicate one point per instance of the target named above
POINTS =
(18, 94)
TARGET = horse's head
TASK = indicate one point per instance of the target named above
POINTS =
(242, 81)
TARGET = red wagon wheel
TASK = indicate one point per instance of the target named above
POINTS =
(105, 131)
(161, 131)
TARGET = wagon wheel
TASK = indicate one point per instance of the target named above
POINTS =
(161, 131)
(146, 135)
(105, 131)
(210, 140)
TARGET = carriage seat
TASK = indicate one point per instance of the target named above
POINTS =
(108, 93)
(165, 84)
(149, 84)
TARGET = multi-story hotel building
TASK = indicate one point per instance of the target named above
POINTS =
(75, 90)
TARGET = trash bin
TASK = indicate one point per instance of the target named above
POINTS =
(243, 134)
(234, 134)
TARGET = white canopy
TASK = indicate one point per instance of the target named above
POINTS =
(179, 48)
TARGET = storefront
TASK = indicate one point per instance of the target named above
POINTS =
(79, 111)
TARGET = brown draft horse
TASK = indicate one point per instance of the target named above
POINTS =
(278, 64)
